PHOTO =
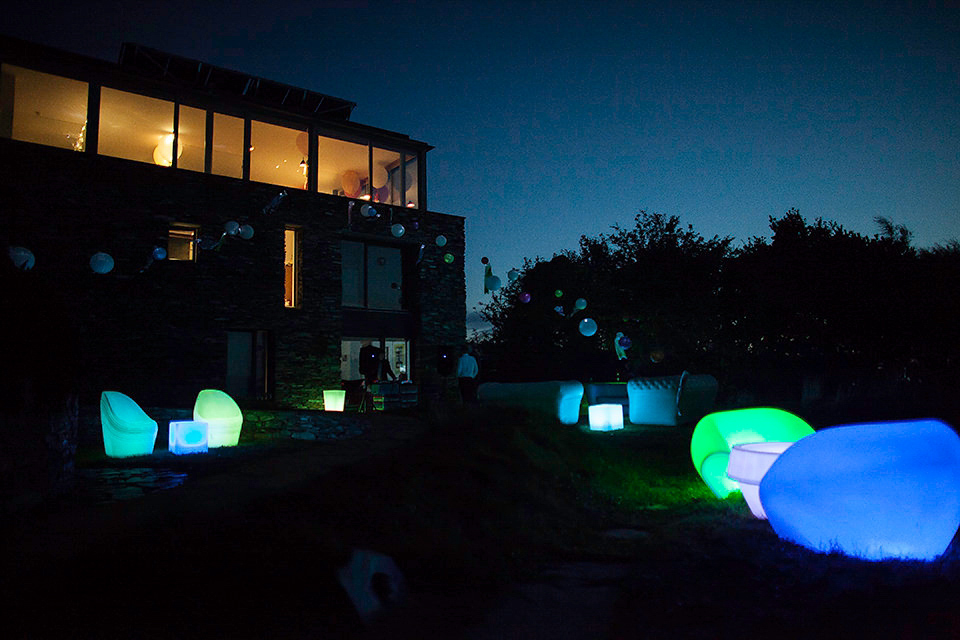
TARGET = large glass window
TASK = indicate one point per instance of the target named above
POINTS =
(42, 108)
(411, 197)
(191, 138)
(371, 276)
(135, 127)
(227, 146)
(343, 168)
(291, 257)
(386, 187)
(275, 157)
(396, 351)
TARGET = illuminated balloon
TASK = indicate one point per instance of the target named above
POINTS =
(246, 231)
(351, 184)
(101, 262)
(618, 346)
(558, 293)
(448, 258)
(303, 143)
(588, 327)
(492, 283)
(22, 258)
(625, 342)
(524, 297)
(512, 275)
(580, 304)
(379, 178)
(232, 227)
(397, 230)
(367, 211)
(441, 241)
(159, 253)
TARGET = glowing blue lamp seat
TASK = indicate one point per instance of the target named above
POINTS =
(874, 491)
(558, 398)
(187, 436)
(127, 429)
(222, 415)
(671, 400)
(717, 433)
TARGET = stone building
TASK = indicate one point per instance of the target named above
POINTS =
(194, 227)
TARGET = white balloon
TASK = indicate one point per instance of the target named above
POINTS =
(232, 227)
(246, 231)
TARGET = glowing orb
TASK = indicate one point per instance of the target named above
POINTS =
(558, 293)
(716, 433)
(101, 262)
(625, 342)
(748, 464)
(580, 304)
(333, 399)
(874, 491)
(524, 297)
(587, 327)
(441, 241)
(159, 253)
(397, 230)
(448, 258)
(187, 436)
(246, 231)
(605, 417)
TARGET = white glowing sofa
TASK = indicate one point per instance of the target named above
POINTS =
(557, 398)
(127, 429)
(222, 415)
(671, 400)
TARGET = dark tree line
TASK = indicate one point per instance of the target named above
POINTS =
(813, 307)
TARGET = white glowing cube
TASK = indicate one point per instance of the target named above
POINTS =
(605, 417)
(188, 436)
(748, 464)
(333, 399)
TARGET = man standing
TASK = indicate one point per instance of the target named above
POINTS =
(467, 370)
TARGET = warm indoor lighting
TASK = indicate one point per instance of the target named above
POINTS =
(163, 154)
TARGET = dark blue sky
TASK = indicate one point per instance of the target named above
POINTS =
(552, 120)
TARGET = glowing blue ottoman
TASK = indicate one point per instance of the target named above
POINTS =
(605, 417)
(187, 436)
(874, 491)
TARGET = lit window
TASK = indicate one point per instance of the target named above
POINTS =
(275, 157)
(291, 239)
(191, 138)
(136, 127)
(227, 146)
(343, 168)
(42, 108)
(182, 243)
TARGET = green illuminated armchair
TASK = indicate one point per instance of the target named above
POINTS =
(717, 433)
(222, 415)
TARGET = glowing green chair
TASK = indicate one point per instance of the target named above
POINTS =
(127, 430)
(222, 416)
(717, 433)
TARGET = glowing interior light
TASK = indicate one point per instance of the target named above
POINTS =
(187, 436)
(127, 430)
(558, 398)
(605, 417)
(333, 399)
(748, 464)
(716, 433)
(222, 415)
(874, 491)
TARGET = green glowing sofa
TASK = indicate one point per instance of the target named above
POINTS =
(127, 429)
(717, 433)
(222, 415)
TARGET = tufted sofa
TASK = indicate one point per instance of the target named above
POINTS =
(558, 398)
(671, 400)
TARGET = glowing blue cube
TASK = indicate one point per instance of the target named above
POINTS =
(874, 491)
(605, 417)
(188, 436)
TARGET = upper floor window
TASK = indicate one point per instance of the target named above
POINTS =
(42, 108)
(191, 138)
(343, 168)
(136, 127)
(275, 157)
(227, 146)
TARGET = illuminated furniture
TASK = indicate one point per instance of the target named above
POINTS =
(222, 415)
(717, 433)
(607, 393)
(874, 491)
(333, 399)
(187, 436)
(127, 430)
(671, 400)
(559, 399)
(748, 464)
(605, 417)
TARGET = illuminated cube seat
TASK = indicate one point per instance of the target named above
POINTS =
(222, 415)
(334, 399)
(187, 436)
(127, 429)
(605, 417)
(874, 491)
(718, 432)
(559, 399)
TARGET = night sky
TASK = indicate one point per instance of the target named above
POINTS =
(553, 120)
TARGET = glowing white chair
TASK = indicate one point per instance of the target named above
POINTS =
(222, 415)
(127, 430)
(748, 464)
